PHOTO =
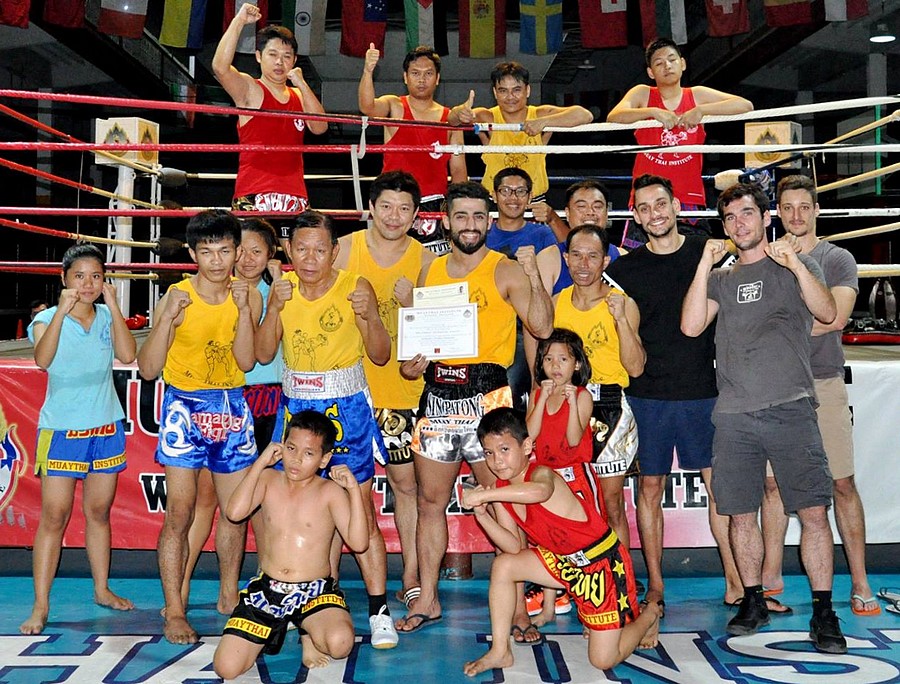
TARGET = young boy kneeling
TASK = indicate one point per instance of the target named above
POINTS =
(301, 511)
(576, 551)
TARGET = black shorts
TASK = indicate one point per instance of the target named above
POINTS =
(266, 606)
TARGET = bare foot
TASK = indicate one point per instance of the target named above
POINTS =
(651, 636)
(313, 657)
(226, 603)
(414, 616)
(110, 600)
(544, 618)
(178, 631)
(489, 661)
(36, 622)
(526, 634)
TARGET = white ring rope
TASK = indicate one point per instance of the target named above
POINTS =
(820, 148)
(876, 270)
(772, 113)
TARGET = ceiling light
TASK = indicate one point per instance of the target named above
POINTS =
(586, 65)
(882, 34)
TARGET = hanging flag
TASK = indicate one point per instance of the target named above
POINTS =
(541, 26)
(663, 19)
(604, 23)
(15, 12)
(482, 28)
(182, 25)
(306, 18)
(788, 12)
(426, 24)
(247, 41)
(727, 17)
(124, 18)
(845, 10)
(66, 13)
(362, 22)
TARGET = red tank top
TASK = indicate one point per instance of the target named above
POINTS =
(684, 170)
(553, 532)
(428, 168)
(280, 172)
(551, 448)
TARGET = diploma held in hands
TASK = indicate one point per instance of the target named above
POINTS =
(438, 332)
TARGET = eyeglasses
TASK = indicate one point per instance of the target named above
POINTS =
(506, 191)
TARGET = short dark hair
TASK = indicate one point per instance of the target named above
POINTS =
(398, 181)
(82, 250)
(797, 182)
(659, 44)
(313, 219)
(501, 421)
(213, 225)
(422, 51)
(589, 229)
(467, 190)
(573, 341)
(587, 184)
(647, 180)
(318, 424)
(264, 229)
(512, 171)
(739, 190)
(514, 69)
(285, 35)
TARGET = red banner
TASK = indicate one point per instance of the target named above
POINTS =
(604, 23)
(727, 17)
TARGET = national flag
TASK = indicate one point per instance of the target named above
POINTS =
(541, 26)
(306, 18)
(247, 41)
(845, 10)
(66, 13)
(663, 19)
(426, 24)
(727, 17)
(124, 18)
(604, 23)
(362, 22)
(182, 25)
(15, 12)
(482, 28)
(788, 12)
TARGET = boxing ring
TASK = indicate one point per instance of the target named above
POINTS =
(84, 643)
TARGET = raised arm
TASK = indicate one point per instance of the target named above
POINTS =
(709, 101)
(240, 87)
(348, 511)
(845, 300)
(249, 493)
(534, 417)
(698, 311)
(633, 107)
(521, 282)
(458, 171)
(310, 101)
(124, 345)
(813, 290)
(375, 337)
(169, 315)
(368, 103)
(551, 115)
(627, 317)
(270, 331)
(46, 336)
(249, 305)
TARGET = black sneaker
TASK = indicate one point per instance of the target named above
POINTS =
(752, 614)
(825, 631)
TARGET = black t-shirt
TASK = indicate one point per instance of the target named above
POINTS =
(678, 367)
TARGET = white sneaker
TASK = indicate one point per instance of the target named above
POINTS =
(383, 633)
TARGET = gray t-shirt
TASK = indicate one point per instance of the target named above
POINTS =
(826, 355)
(762, 336)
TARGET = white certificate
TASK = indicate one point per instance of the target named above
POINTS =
(439, 332)
(453, 294)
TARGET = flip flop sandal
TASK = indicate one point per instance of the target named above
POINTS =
(869, 608)
(889, 594)
(411, 595)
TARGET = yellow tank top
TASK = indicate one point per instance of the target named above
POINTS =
(321, 334)
(200, 356)
(389, 388)
(496, 318)
(597, 329)
(533, 164)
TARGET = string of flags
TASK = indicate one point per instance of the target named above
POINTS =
(482, 23)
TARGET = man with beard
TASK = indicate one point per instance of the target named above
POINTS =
(766, 304)
(459, 391)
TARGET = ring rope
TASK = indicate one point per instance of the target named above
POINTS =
(819, 148)
(862, 232)
(75, 184)
(65, 136)
(877, 270)
(851, 180)
(29, 228)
